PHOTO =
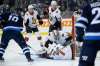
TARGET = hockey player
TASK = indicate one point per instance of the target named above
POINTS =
(12, 27)
(32, 20)
(58, 46)
(88, 32)
(54, 17)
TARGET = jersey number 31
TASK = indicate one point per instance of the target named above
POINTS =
(96, 19)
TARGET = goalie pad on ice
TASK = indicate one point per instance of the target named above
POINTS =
(57, 51)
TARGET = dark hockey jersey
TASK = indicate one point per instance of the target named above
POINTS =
(88, 24)
(11, 21)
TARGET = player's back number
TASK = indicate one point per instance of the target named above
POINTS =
(96, 19)
(13, 18)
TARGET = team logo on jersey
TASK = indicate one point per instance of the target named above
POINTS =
(33, 21)
(84, 58)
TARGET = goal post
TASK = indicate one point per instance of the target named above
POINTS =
(68, 25)
(73, 38)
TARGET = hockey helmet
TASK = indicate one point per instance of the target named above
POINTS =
(54, 4)
(30, 7)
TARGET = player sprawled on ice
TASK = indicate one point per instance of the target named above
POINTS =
(57, 46)
(32, 20)
(54, 17)
(12, 26)
(88, 26)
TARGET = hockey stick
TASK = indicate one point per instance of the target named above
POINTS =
(31, 52)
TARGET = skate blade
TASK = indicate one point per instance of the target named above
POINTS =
(2, 61)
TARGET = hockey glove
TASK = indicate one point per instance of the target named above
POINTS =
(79, 38)
(40, 22)
(80, 34)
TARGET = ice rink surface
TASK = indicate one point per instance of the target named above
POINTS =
(13, 57)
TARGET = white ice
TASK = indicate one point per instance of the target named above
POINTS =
(14, 58)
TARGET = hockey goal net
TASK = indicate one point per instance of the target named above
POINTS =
(68, 25)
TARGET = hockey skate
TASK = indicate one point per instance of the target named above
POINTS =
(1, 59)
(30, 60)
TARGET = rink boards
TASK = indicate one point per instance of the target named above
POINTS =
(44, 28)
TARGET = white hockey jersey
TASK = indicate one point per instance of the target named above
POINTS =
(54, 16)
(59, 42)
(59, 39)
(32, 19)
